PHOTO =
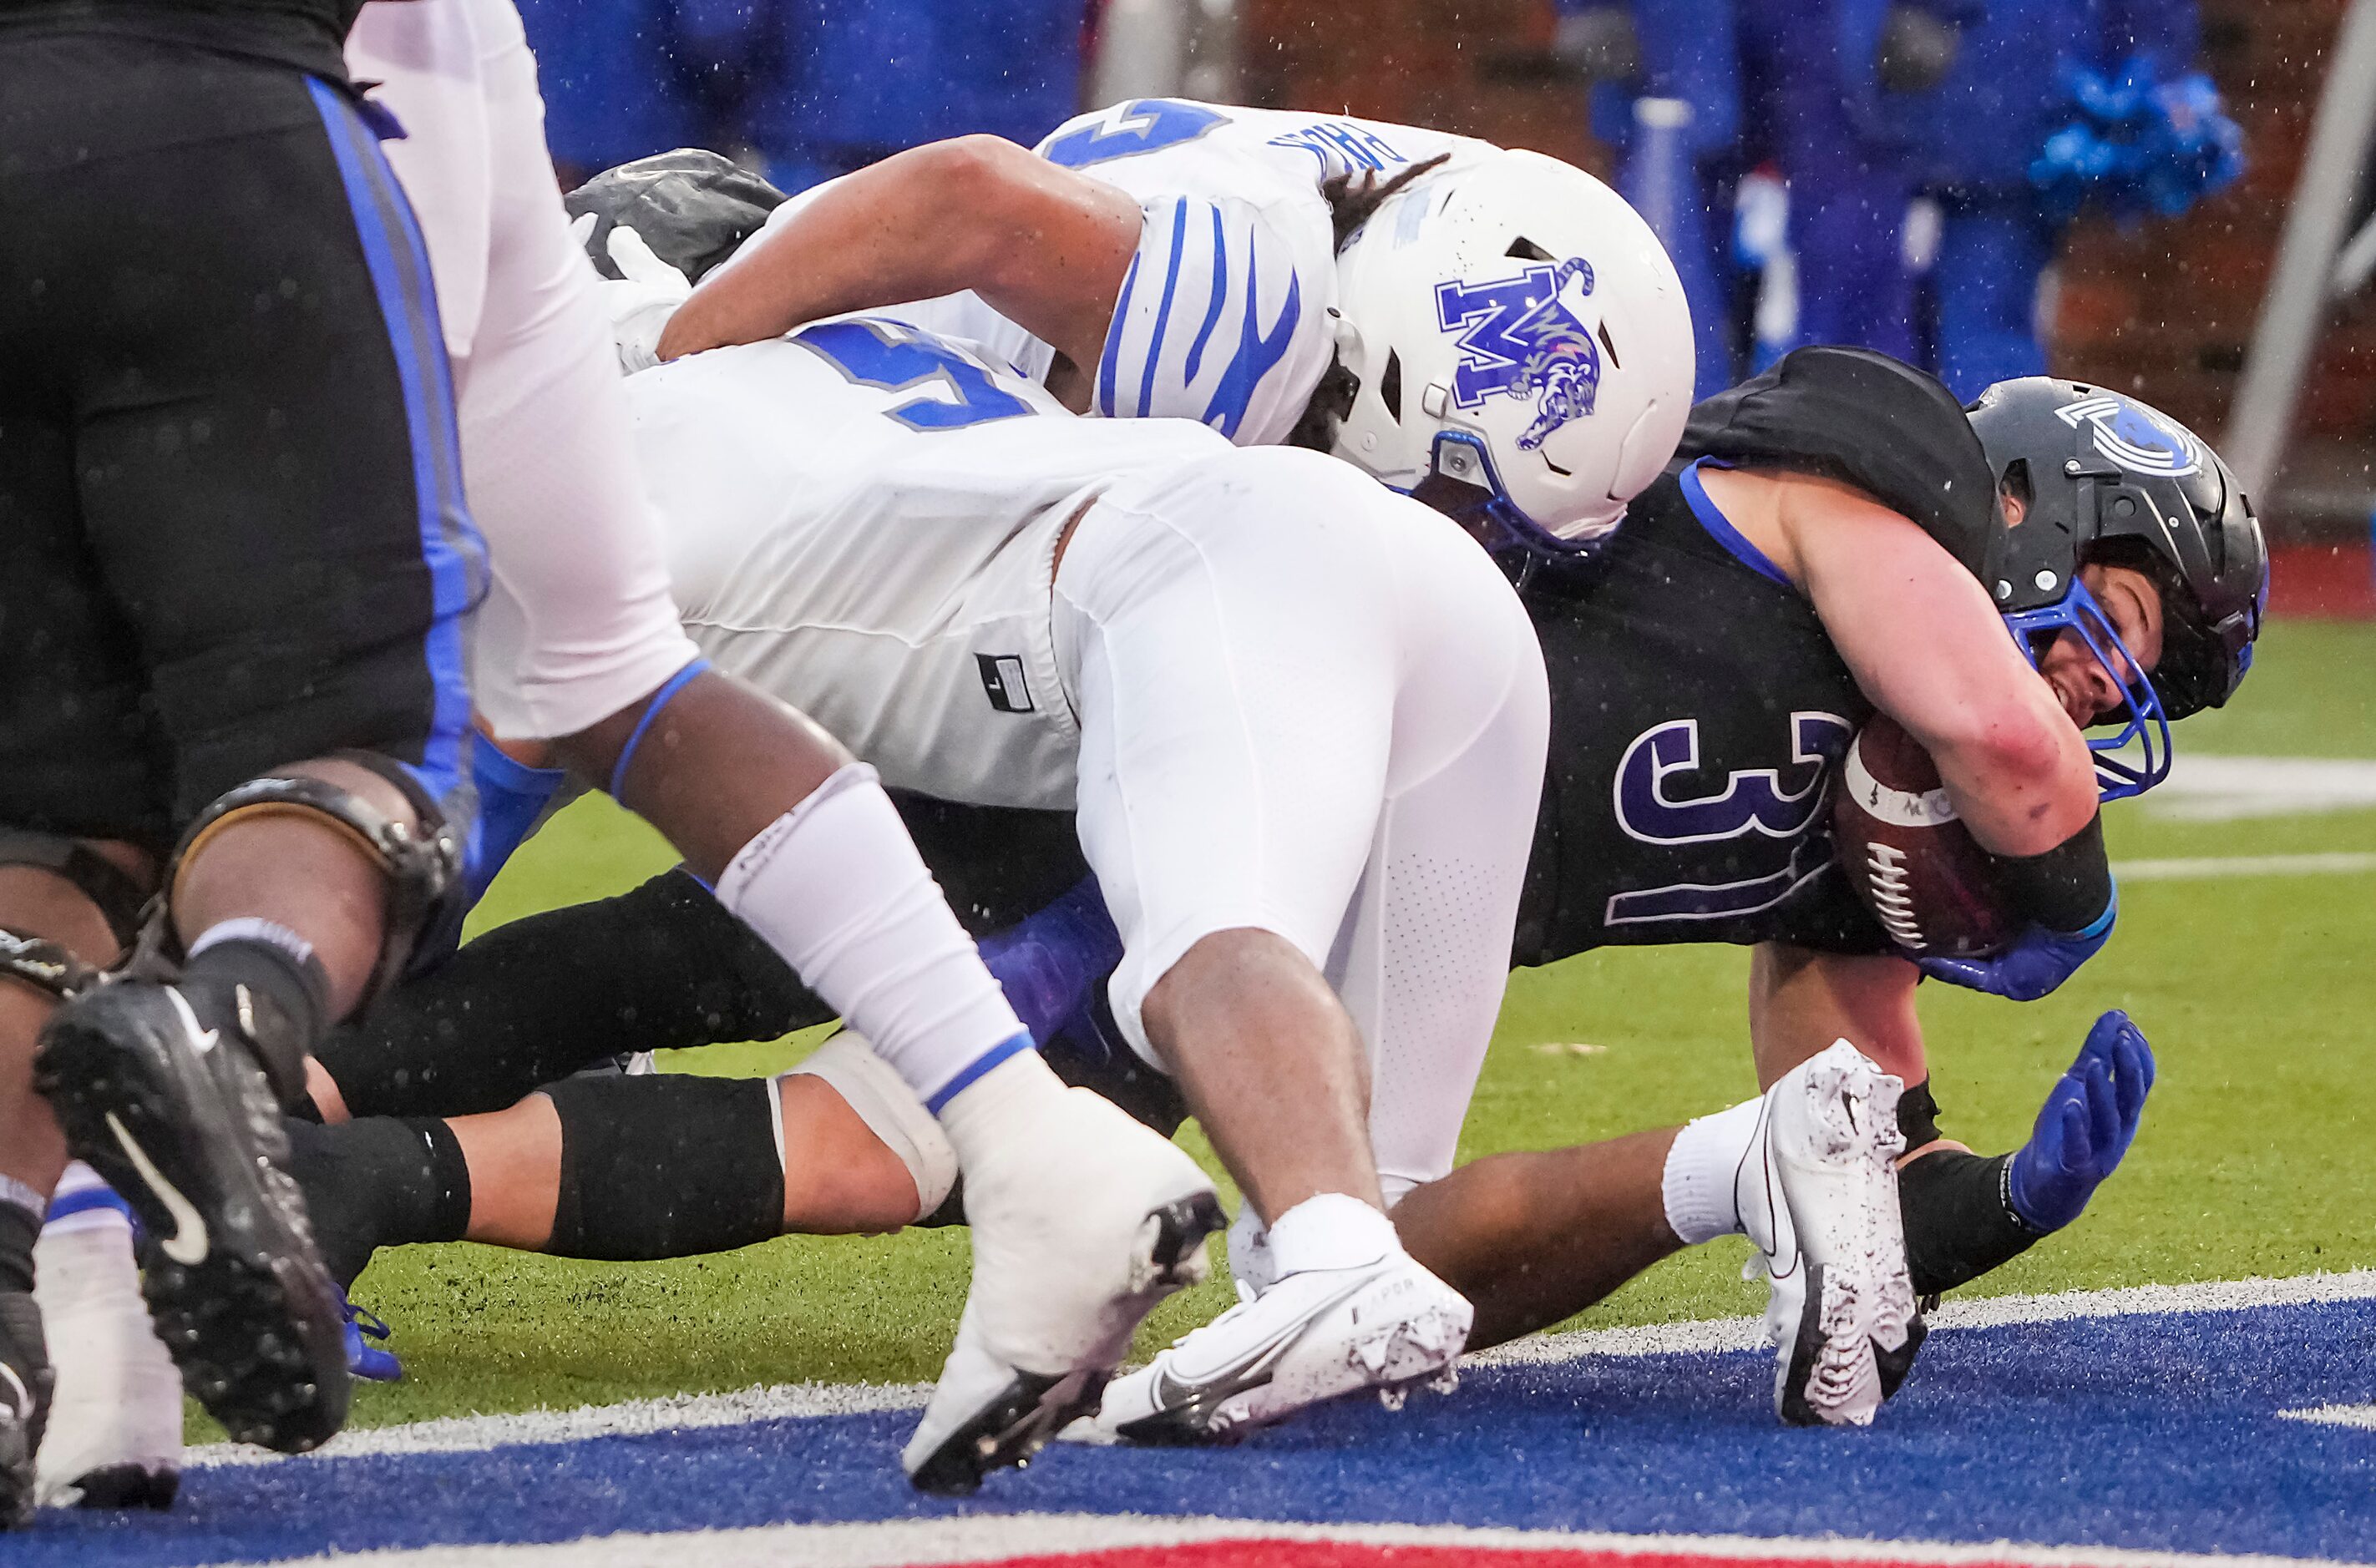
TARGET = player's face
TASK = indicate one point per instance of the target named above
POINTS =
(2086, 690)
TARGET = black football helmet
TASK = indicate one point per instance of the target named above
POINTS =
(695, 208)
(2107, 478)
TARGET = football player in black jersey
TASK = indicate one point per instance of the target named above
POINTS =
(1700, 703)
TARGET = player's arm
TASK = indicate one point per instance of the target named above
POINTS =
(1925, 643)
(1919, 635)
(1044, 246)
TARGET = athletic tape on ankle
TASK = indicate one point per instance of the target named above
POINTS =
(891, 1112)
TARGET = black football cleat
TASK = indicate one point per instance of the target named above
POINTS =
(164, 1099)
(24, 1383)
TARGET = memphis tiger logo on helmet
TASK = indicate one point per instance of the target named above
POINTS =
(1517, 337)
(1516, 340)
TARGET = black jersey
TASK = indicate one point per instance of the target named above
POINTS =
(1697, 711)
(308, 34)
(1698, 707)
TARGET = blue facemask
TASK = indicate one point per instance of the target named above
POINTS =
(2137, 757)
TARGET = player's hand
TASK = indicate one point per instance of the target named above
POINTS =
(2088, 1121)
(641, 299)
(2038, 962)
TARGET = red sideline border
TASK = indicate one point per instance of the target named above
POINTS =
(2334, 582)
(1274, 1554)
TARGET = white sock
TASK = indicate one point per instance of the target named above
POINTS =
(1331, 1230)
(1702, 1171)
(836, 888)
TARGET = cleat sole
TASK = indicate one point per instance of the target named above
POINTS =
(1012, 1428)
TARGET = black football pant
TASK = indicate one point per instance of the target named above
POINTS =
(233, 533)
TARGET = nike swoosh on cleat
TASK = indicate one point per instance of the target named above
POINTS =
(204, 1040)
(188, 1244)
(1174, 1397)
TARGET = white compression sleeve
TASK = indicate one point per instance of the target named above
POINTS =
(836, 888)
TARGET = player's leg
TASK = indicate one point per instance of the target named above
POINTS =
(269, 498)
(73, 753)
(634, 1168)
(581, 646)
(1228, 637)
(663, 967)
(114, 1436)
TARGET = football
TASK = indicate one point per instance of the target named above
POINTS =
(1915, 865)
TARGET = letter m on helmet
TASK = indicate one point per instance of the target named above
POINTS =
(1511, 329)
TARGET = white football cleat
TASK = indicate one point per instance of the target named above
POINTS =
(1818, 1196)
(1308, 1337)
(1082, 1222)
(115, 1437)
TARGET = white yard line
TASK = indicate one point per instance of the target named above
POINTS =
(991, 1538)
(2336, 1415)
(1986, 1311)
(2190, 868)
(684, 1412)
(681, 1412)
(2225, 788)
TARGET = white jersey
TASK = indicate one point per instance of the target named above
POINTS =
(1226, 317)
(861, 520)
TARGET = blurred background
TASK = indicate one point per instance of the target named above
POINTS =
(2167, 197)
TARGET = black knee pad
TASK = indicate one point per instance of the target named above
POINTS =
(425, 859)
(665, 1166)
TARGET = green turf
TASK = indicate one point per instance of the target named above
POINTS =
(2258, 996)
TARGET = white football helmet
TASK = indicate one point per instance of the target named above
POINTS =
(1516, 327)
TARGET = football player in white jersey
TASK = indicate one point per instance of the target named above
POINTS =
(1498, 328)
(1300, 719)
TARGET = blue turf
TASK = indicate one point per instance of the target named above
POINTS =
(2142, 1432)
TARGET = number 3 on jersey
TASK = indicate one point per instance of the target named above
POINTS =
(870, 356)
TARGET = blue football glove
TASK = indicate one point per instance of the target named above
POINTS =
(2037, 961)
(2088, 1121)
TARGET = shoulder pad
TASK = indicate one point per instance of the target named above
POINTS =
(1866, 419)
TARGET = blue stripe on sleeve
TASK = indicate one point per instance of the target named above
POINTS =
(1106, 362)
(398, 260)
(1258, 350)
(1720, 529)
(1220, 275)
(1163, 310)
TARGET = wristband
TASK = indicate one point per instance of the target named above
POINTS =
(2068, 889)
